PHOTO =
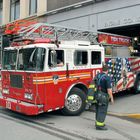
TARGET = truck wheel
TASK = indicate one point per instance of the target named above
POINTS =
(75, 102)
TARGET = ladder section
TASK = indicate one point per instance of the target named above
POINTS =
(54, 32)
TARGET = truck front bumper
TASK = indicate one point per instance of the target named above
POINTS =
(20, 106)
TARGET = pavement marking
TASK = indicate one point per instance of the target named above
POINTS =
(135, 115)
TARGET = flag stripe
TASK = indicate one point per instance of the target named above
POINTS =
(130, 83)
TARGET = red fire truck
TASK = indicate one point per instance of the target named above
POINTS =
(49, 67)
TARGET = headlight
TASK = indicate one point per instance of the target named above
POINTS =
(28, 96)
(5, 91)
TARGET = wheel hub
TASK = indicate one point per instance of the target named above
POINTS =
(73, 102)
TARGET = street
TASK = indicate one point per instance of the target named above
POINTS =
(55, 126)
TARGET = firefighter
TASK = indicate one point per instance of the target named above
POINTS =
(104, 92)
(91, 95)
(59, 63)
(99, 93)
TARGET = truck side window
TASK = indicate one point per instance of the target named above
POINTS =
(95, 57)
(80, 57)
(60, 58)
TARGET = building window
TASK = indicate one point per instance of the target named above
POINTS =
(14, 9)
(0, 12)
(33, 7)
(56, 4)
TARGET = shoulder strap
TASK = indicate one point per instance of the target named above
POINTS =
(100, 78)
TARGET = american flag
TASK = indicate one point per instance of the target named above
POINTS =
(127, 64)
(110, 67)
(135, 64)
(117, 69)
(114, 69)
(120, 70)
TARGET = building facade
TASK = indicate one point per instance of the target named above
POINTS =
(120, 17)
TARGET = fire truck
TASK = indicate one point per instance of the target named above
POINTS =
(48, 67)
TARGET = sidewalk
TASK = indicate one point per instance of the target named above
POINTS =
(127, 108)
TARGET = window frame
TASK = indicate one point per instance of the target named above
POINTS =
(75, 58)
(96, 56)
(62, 58)
(33, 56)
(1, 8)
(34, 7)
(15, 12)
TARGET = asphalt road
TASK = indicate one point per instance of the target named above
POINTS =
(55, 126)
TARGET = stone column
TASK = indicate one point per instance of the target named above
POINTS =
(24, 9)
(6, 12)
(41, 7)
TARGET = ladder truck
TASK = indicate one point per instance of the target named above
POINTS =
(49, 67)
(33, 81)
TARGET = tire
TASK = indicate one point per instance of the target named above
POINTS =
(75, 102)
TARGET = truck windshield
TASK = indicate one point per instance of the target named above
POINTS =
(9, 59)
(31, 59)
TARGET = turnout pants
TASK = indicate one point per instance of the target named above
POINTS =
(101, 112)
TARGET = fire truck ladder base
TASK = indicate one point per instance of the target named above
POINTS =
(54, 32)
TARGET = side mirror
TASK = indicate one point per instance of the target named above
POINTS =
(53, 58)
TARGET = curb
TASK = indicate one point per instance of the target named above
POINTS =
(135, 115)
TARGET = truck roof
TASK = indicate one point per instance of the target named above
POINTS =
(63, 44)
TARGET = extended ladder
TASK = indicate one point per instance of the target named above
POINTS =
(54, 32)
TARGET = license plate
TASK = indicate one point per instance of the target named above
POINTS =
(8, 104)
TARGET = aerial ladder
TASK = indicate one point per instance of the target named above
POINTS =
(18, 32)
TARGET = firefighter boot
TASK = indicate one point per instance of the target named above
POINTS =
(101, 128)
(88, 105)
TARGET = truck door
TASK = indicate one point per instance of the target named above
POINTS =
(57, 68)
(97, 58)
